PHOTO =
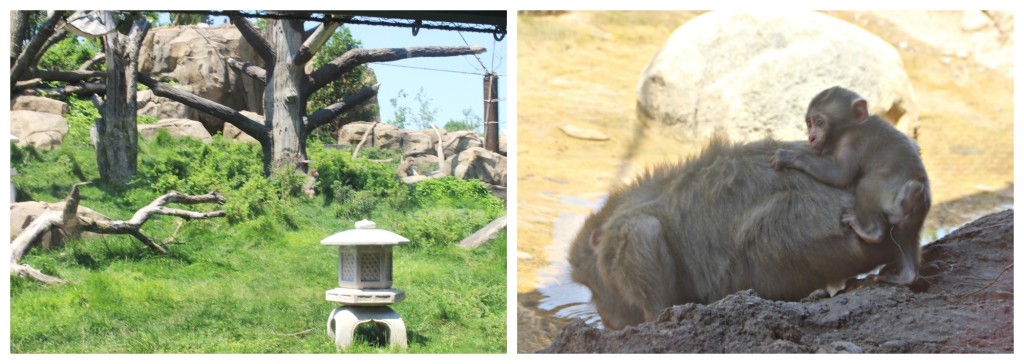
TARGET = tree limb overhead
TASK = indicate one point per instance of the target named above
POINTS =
(322, 116)
(314, 42)
(232, 116)
(355, 57)
(27, 58)
(250, 69)
(253, 36)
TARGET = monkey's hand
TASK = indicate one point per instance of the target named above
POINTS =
(783, 158)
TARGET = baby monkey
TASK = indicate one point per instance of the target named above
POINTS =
(861, 152)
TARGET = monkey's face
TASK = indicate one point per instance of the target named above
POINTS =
(818, 131)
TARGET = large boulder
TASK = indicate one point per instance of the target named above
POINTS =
(479, 163)
(457, 141)
(383, 135)
(194, 58)
(23, 213)
(42, 130)
(178, 128)
(751, 76)
(418, 142)
(164, 108)
(40, 104)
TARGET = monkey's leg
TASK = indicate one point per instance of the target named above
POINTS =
(911, 197)
(868, 219)
(904, 270)
(636, 260)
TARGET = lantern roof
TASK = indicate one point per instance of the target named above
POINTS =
(365, 233)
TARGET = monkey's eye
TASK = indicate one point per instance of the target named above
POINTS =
(819, 122)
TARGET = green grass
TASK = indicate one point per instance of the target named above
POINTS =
(240, 285)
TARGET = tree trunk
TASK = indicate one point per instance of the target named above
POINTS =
(117, 150)
(282, 102)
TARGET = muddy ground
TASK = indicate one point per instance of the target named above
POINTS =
(581, 68)
(968, 308)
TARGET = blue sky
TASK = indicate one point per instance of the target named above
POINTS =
(449, 92)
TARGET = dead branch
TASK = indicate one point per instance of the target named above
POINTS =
(355, 153)
(89, 63)
(71, 223)
(485, 234)
(83, 89)
(28, 56)
(441, 172)
(250, 69)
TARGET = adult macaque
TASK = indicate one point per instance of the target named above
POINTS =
(405, 168)
(717, 224)
(855, 150)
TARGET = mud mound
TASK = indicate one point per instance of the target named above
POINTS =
(967, 308)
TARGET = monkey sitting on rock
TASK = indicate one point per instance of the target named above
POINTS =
(854, 150)
(722, 222)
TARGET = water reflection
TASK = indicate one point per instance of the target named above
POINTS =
(562, 296)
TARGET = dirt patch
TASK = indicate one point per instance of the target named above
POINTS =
(968, 308)
(582, 68)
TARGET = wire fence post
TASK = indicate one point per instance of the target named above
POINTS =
(491, 112)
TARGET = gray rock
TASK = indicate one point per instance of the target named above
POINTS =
(384, 135)
(582, 133)
(194, 58)
(178, 128)
(43, 130)
(479, 163)
(751, 76)
(40, 104)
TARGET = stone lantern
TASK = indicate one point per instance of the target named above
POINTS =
(364, 284)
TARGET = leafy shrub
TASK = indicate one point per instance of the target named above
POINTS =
(457, 193)
(437, 227)
(69, 53)
(337, 169)
(82, 115)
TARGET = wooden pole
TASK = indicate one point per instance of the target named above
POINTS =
(491, 112)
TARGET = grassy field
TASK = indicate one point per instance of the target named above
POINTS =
(253, 282)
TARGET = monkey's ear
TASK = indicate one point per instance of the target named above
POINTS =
(860, 110)
(594, 239)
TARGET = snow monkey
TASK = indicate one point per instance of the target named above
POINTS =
(860, 152)
(722, 222)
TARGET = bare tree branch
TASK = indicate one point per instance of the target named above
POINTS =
(27, 58)
(328, 113)
(355, 57)
(70, 76)
(92, 61)
(70, 222)
(83, 89)
(58, 34)
(253, 36)
(315, 41)
(250, 69)
(232, 116)
(355, 153)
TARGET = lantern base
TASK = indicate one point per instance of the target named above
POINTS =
(342, 322)
(365, 297)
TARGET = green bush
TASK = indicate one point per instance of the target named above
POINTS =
(337, 169)
(457, 193)
(438, 227)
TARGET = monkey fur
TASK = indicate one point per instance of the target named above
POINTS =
(722, 222)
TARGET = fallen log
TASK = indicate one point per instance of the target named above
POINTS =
(485, 234)
(69, 223)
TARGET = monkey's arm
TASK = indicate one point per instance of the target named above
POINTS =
(835, 171)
